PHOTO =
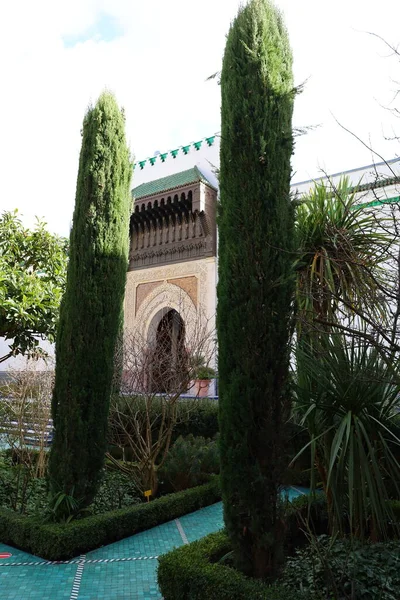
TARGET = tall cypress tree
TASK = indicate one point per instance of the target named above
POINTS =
(92, 304)
(255, 286)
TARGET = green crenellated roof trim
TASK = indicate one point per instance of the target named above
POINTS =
(174, 153)
(171, 182)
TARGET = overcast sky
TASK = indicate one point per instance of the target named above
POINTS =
(155, 55)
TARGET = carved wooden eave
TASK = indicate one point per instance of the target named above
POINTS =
(173, 226)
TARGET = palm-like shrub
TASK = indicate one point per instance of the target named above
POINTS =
(341, 251)
(347, 397)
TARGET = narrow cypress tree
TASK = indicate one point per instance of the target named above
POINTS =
(255, 286)
(92, 304)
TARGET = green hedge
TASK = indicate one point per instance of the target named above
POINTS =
(60, 542)
(200, 420)
(192, 573)
(196, 417)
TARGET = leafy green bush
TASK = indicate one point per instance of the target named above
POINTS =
(343, 570)
(116, 491)
(193, 573)
(190, 462)
(63, 541)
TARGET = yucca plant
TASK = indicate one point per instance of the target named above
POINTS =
(347, 397)
(341, 255)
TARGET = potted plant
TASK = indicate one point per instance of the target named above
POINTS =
(203, 376)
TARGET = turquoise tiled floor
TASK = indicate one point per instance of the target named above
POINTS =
(202, 522)
(125, 570)
(152, 542)
(120, 580)
(46, 582)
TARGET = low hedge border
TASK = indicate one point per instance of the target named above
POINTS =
(189, 573)
(193, 573)
(61, 542)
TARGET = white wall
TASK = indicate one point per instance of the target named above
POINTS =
(19, 361)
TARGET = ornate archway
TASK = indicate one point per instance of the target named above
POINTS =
(161, 300)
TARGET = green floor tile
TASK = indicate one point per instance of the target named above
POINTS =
(152, 542)
(120, 581)
(49, 582)
(202, 522)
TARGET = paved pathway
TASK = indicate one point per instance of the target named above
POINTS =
(125, 570)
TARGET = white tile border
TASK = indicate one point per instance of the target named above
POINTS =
(78, 578)
(181, 531)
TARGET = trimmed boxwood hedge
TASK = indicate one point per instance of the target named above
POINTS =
(60, 542)
(191, 573)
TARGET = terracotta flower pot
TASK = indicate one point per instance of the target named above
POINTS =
(202, 387)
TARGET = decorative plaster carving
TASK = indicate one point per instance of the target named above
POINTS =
(143, 290)
(163, 275)
(165, 297)
(189, 285)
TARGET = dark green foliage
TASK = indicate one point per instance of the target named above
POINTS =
(64, 541)
(303, 517)
(30, 497)
(345, 569)
(395, 504)
(193, 573)
(298, 473)
(201, 419)
(92, 304)
(19, 490)
(255, 289)
(115, 491)
(63, 508)
(190, 462)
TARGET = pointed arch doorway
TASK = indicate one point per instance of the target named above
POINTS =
(169, 361)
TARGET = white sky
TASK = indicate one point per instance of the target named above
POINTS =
(58, 55)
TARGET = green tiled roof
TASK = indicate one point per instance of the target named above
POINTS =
(171, 182)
